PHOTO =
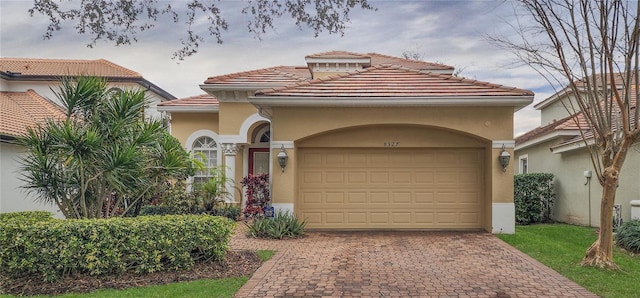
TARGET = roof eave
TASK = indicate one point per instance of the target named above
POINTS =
(112, 79)
(547, 137)
(187, 109)
(572, 146)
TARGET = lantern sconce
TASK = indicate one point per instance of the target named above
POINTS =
(503, 158)
(283, 158)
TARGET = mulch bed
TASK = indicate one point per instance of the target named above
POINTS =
(237, 263)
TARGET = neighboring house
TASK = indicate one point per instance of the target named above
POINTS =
(26, 99)
(557, 147)
(373, 141)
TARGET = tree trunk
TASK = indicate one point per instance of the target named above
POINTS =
(600, 254)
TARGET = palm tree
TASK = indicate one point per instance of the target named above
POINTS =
(104, 158)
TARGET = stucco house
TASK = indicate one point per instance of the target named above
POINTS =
(26, 99)
(557, 147)
(372, 141)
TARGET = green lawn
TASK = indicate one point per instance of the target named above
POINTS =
(561, 247)
(225, 287)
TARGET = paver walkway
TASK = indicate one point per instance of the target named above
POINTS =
(400, 264)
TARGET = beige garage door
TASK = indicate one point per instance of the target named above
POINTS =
(391, 188)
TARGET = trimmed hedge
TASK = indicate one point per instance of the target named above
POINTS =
(533, 198)
(55, 248)
(230, 212)
(26, 216)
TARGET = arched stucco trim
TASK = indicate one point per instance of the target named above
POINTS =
(249, 123)
(243, 134)
(355, 127)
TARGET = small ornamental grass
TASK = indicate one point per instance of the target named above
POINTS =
(628, 236)
(282, 225)
(50, 249)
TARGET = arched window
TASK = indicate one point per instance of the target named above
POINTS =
(205, 150)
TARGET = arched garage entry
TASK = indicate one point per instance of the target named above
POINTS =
(392, 177)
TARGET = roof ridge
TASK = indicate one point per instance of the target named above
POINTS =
(411, 60)
(338, 52)
(105, 61)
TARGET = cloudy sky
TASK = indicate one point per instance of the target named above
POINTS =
(449, 32)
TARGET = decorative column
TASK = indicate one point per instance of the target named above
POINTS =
(230, 150)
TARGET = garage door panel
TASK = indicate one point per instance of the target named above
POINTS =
(379, 177)
(391, 188)
(357, 177)
(401, 197)
(335, 177)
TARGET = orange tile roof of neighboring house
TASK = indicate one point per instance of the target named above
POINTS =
(558, 125)
(566, 124)
(279, 75)
(393, 81)
(19, 110)
(64, 67)
(198, 100)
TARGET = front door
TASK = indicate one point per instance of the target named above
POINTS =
(258, 161)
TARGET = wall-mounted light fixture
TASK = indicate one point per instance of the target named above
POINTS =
(283, 158)
(503, 158)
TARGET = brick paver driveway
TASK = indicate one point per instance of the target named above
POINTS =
(400, 264)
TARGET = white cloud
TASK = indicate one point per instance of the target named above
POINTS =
(444, 31)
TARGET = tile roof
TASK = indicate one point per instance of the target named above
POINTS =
(193, 101)
(64, 67)
(567, 124)
(378, 59)
(338, 54)
(393, 81)
(279, 75)
(19, 110)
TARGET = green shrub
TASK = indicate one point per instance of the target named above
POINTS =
(533, 198)
(230, 212)
(55, 248)
(282, 225)
(628, 236)
(26, 217)
(165, 210)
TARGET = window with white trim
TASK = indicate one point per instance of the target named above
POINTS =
(205, 150)
(523, 164)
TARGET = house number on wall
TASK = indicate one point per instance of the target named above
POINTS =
(391, 144)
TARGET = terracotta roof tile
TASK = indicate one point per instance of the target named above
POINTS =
(65, 67)
(280, 75)
(19, 110)
(393, 81)
(193, 101)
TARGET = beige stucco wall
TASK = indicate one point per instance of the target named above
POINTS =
(232, 115)
(572, 195)
(13, 198)
(404, 135)
(184, 124)
(293, 124)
